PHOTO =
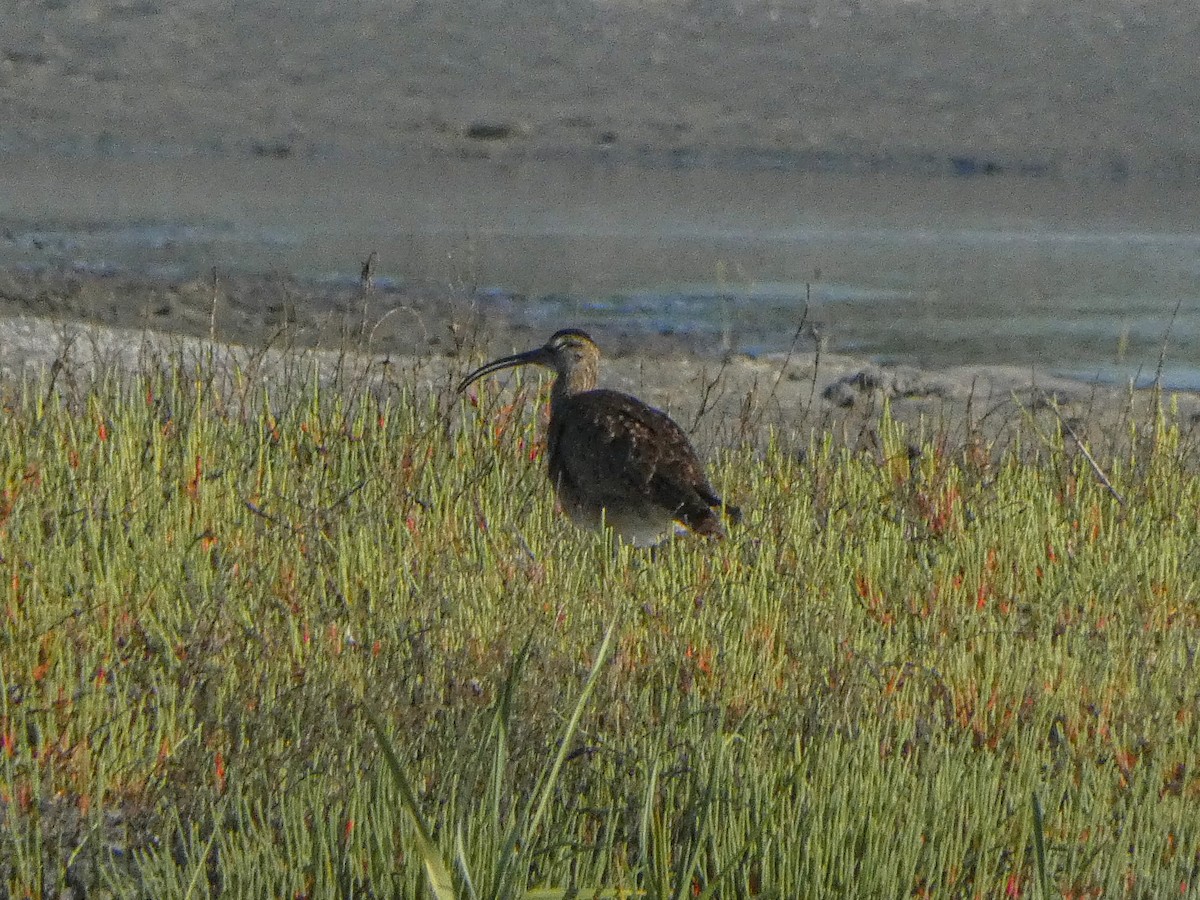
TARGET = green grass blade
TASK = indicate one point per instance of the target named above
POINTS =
(564, 746)
(435, 868)
(1039, 847)
(683, 880)
(646, 833)
(460, 855)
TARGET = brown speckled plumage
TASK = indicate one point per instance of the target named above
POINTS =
(611, 457)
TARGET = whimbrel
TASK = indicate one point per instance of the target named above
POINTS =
(612, 458)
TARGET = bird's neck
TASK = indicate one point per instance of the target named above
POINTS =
(576, 380)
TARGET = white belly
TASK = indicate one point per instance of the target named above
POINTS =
(647, 526)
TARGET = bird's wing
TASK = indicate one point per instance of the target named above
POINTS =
(614, 445)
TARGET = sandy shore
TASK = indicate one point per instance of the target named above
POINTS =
(277, 329)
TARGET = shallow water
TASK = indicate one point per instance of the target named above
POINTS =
(1080, 278)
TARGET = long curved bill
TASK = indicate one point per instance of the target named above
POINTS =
(540, 357)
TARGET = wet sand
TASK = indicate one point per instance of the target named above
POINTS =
(931, 272)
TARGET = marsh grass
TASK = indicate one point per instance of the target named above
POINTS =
(931, 670)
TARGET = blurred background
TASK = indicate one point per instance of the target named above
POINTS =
(932, 182)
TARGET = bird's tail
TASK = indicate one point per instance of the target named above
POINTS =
(733, 514)
(706, 521)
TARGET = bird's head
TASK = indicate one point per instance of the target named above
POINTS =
(569, 350)
(571, 353)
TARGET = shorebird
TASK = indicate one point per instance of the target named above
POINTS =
(614, 460)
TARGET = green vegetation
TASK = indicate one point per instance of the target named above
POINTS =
(255, 642)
